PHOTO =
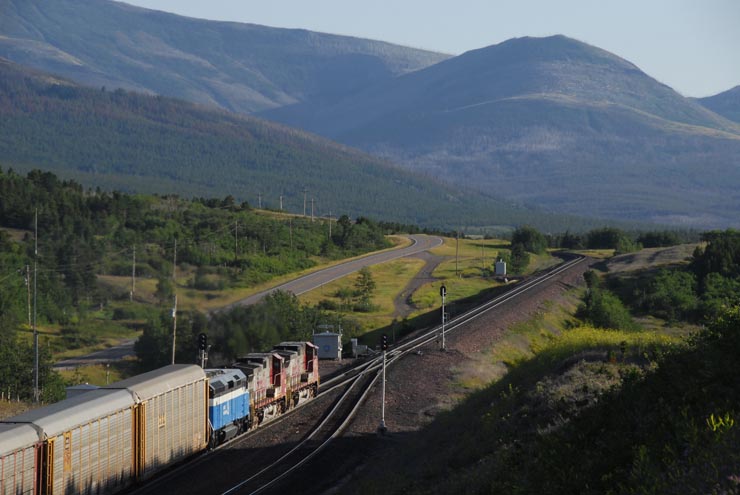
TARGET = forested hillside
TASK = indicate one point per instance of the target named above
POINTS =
(89, 240)
(133, 142)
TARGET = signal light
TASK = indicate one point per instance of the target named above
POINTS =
(384, 342)
(202, 341)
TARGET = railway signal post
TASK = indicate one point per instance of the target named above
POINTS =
(384, 347)
(443, 293)
(203, 348)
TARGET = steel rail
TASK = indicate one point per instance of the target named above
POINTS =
(352, 377)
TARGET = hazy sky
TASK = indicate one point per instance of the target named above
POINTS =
(691, 45)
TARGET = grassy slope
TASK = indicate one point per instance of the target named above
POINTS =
(550, 375)
(558, 408)
(726, 103)
(475, 258)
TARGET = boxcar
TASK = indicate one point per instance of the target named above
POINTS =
(87, 445)
(20, 449)
(170, 415)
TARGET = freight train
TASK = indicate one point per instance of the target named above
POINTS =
(108, 439)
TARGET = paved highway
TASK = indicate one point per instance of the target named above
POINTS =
(298, 286)
(317, 279)
(116, 353)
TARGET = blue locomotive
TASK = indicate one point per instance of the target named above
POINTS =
(228, 404)
(105, 440)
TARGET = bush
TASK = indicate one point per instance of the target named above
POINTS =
(124, 314)
(73, 338)
(328, 305)
(530, 239)
(672, 295)
(205, 281)
(603, 309)
(519, 259)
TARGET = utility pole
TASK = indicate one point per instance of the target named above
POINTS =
(329, 224)
(174, 329)
(304, 201)
(281, 202)
(290, 223)
(174, 310)
(28, 293)
(35, 329)
(312, 210)
(133, 273)
(236, 238)
(259, 200)
(457, 252)
(443, 293)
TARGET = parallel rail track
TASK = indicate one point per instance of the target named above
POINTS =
(357, 384)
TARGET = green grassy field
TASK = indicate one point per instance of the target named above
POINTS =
(99, 374)
(390, 278)
(465, 270)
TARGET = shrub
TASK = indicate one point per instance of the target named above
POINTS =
(603, 309)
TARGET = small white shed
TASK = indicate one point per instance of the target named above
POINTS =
(329, 344)
(500, 268)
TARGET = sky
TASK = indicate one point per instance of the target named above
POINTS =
(692, 46)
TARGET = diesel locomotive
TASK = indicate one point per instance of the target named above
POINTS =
(107, 439)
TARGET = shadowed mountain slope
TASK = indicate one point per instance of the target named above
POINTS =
(241, 67)
(550, 121)
(133, 142)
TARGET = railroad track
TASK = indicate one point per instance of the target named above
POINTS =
(355, 385)
(258, 473)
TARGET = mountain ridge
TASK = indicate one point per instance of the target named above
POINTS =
(236, 66)
(153, 144)
(533, 113)
(551, 121)
(726, 103)
(533, 69)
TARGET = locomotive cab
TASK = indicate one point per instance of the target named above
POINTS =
(266, 383)
(228, 404)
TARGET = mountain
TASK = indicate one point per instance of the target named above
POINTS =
(548, 121)
(153, 144)
(239, 67)
(726, 104)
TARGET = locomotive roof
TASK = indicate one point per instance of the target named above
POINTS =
(227, 375)
(14, 436)
(287, 354)
(261, 357)
(62, 416)
(160, 381)
(295, 344)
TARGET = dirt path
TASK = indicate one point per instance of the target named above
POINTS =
(401, 302)
(421, 243)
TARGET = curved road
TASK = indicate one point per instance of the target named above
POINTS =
(317, 279)
(116, 353)
(298, 286)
